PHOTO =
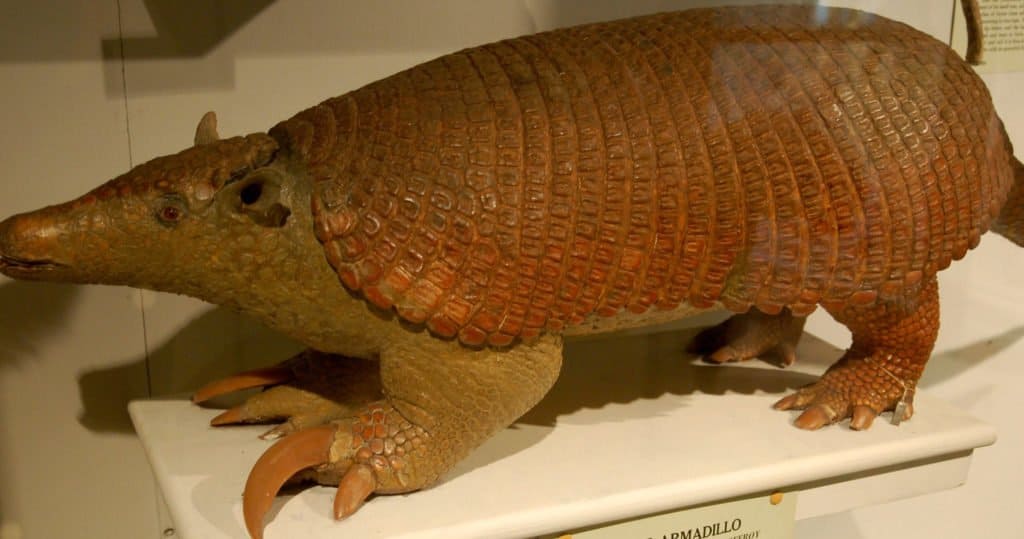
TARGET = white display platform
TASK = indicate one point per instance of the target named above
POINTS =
(642, 427)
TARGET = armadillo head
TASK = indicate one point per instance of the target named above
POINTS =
(206, 222)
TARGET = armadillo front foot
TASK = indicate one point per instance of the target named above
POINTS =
(438, 401)
(375, 451)
(858, 389)
(752, 334)
(307, 390)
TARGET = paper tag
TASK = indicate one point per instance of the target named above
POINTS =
(763, 517)
(1002, 24)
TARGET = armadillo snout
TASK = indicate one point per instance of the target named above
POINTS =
(29, 245)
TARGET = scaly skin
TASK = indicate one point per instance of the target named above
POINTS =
(737, 156)
(478, 206)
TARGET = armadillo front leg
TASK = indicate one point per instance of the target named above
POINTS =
(440, 401)
(892, 341)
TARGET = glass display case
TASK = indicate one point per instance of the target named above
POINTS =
(93, 90)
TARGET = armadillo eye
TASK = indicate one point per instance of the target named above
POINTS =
(170, 214)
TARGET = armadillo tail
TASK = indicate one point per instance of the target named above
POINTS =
(975, 34)
(1010, 223)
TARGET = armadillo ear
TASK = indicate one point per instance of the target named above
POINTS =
(206, 131)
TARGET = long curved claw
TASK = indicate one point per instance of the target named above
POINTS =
(278, 374)
(863, 417)
(786, 354)
(815, 417)
(353, 489)
(296, 452)
(788, 402)
(725, 354)
(231, 416)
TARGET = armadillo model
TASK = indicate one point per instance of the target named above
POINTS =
(433, 236)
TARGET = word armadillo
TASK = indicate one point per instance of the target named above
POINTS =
(433, 236)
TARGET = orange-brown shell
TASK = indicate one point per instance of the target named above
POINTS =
(770, 157)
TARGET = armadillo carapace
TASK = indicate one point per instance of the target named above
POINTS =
(433, 235)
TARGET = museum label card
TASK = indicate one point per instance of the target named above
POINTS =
(762, 517)
(1002, 24)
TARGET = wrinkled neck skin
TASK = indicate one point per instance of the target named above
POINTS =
(301, 296)
(287, 284)
(223, 244)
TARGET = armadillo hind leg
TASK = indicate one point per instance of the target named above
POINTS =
(309, 389)
(752, 334)
(892, 341)
(439, 401)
